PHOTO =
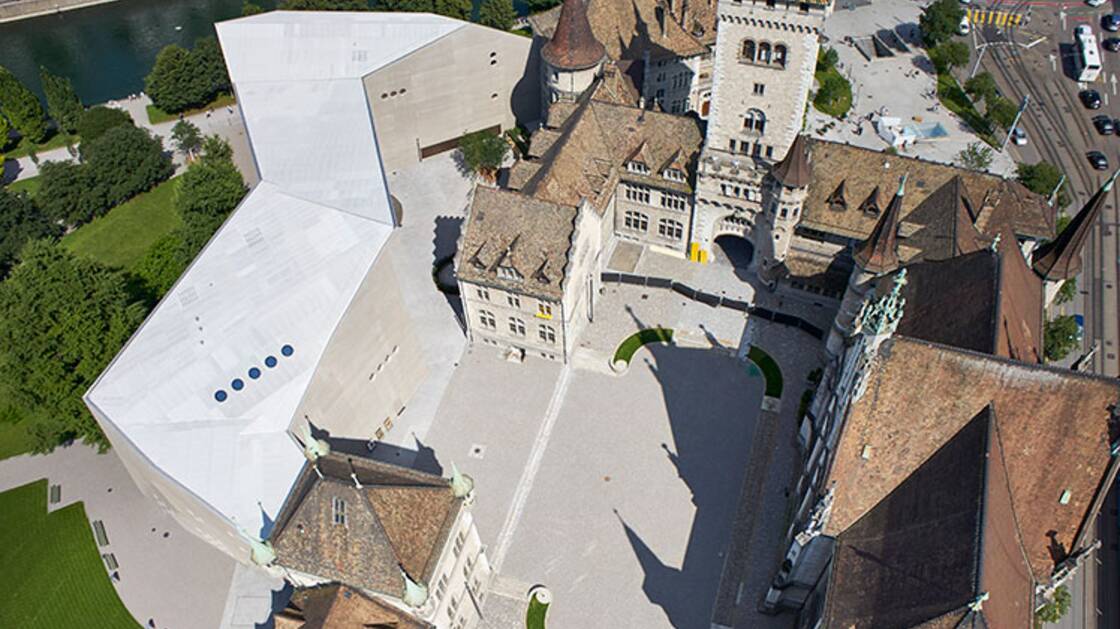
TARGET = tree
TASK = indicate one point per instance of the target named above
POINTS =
(324, 5)
(5, 132)
(95, 121)
(1054, 609)
(1042, 178)
(124, 162)
(22, 108)
(949, 55)
(1067, 292)
(209, 65)
(62, 319)
(249, 8)
(187, 137)
(162, 264)
(975, 156)
(981, 87)
(461, 10)
(20, 221)
(171, 81)
(827, 59)
(482, 152)
(939, 22)
(1061, 336)
(66, 194)
(212, 187)
(215, 147)
(497, 14)
(63, 103)
(1002, 112)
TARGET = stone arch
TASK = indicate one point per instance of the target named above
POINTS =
(754, 121)
(765, 51)
(733, 248)
(747, 50)
(781, 54)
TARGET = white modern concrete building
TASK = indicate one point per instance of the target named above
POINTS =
(292, 313)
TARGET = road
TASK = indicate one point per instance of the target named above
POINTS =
(1036, 58)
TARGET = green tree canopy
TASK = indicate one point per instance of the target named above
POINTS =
(975, 156)
(124, 162)
(536, 6)
(458, 9)
(95, 121)
(215, 147)
(62, 319)
(482, 152)
(324, 5)
(5, 131)
(187, 137)
(65, 193)
(981, 87)
(20, 221)
(497, 14)
(210, 65)
(939, 21)
(1060, 337)
(1056, 607)
(21, 107)
(63, 103)
(1042, 178)
(949, 55)
(249, 8)
(1002, 111)
(211, 187)
(171, 83)
(827, 58)
(162, 264)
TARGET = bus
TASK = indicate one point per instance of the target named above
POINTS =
(1088, 54)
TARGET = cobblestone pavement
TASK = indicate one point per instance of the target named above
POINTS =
(166, 574)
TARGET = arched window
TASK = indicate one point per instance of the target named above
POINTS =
(764, 53)
(780, 53)
(746, 51)
(754, 121)
(636, 221)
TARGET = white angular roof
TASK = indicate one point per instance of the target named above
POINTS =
(207, 386)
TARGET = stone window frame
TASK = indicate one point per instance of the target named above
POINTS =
(636, 221)
(486, 320)
(517, 327)
(670, 229)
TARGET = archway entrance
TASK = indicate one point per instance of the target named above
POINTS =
(733, 250)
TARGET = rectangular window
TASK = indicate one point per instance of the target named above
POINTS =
(547, 334)
(673, 201)
(769, 152)
(514, 301)
(670, 229)
(483, 294)
(517, 326)
(544, 310)
(441, 586)
(460, 539)
(636, 221)
(759, 89)
(732, 144)
(338, 506)
(486, 319)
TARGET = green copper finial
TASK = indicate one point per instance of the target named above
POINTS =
(313, 448)
(461, 484)
(415, 594)
(977, 603)
(995, 243)
(260, 551)
(902, 184)
(881, 316)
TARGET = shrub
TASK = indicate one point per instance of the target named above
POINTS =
(1060, 337)
(939, 21)
(22, 108)
(482, 152)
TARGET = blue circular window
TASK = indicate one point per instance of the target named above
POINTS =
(254, 373)
(220, 395)
(286, 350)
(237, 384)
(270, 362)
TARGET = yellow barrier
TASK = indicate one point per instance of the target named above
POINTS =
(980, 17)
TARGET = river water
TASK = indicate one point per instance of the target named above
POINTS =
(106, 50)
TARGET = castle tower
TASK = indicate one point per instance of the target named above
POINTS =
(875, 257)
(765, 56)
(783, 197)
(1060, 259)
(572, 59)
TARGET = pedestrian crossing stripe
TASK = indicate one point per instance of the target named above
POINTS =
(981, 17)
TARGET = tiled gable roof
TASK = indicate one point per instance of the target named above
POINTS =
(1056, 428)
(335, 606)
(630, 28)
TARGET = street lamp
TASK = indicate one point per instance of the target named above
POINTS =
(1018, 115)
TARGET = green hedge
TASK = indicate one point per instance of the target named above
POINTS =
(534, 617)
(769, 369)
(627, 348)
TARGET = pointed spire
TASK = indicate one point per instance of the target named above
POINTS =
(260, 551)
(573, 45)
(1060, 259)
(461, 484)
(415, 594)
(794, 171)
(879, 253)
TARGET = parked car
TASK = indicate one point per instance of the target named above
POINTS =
(1097, 160)
(964, 28)
(1111, 22)
(1095, 3)
(1018, 136)
(1112, 44)
(1104, 125)
(1080, 321)
(1091, 99)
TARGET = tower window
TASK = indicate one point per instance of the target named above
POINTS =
(780, 53)
(746, 51)
(759, 89)
(338, 511)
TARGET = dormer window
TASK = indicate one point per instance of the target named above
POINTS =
(637, 167)
(508, 273)
(338, 511)
(673, 174)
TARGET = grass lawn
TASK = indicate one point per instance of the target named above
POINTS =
(56, 577)
(157, 115)
(956, 100)
(24, 147)
(29, 185)
(840, 105)
(534, 617)
(14, 440)
(121, 237)
(627, 348)
(770, 370)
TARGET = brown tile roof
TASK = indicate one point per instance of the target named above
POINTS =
(934, 544)
(982, 301)
(1060, 259)
(398, 517)
(879, 252)
(336, 606)
(999, 205)
(573, 46)
(507, 230)
(629, 28)
(617, 85)
(942, 224)
(795, 171)
(1055, 426)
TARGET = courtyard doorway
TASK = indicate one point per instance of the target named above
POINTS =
(733, 250)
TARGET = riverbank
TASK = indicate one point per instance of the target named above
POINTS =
(24, 9)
